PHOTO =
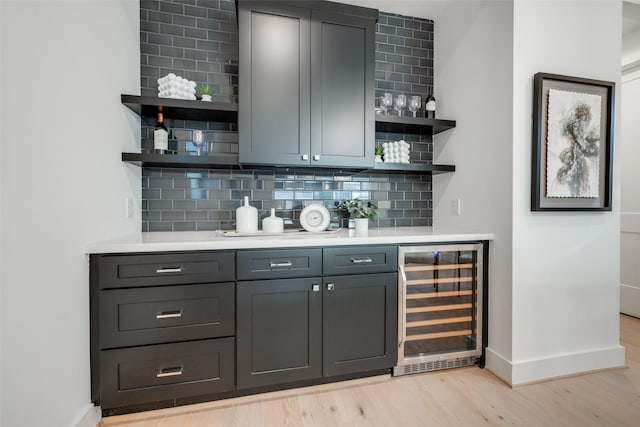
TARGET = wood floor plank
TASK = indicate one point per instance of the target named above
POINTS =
(457, 397)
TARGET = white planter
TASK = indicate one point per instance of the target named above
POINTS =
(206, 98)
(362, 224)
(378, 158)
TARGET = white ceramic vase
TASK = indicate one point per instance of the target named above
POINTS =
(362, 224)
(273, 224)
(246, 218)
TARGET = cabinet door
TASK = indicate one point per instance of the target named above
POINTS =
(278, 331)
(342, 90)
(274, 75)
(359, 323)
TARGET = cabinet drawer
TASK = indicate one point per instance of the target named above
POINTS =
(164, 314)
(137, 375)
(165, 269)
(360, 259)
(273, 264)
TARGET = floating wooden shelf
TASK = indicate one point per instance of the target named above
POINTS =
(224, 161)
(415, 125)
(181, 109)
(414, 167)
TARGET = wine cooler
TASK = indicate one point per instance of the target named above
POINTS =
(440, 313)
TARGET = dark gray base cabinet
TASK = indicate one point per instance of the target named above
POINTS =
(296, 329)
(171, 328)
(279, 331)
(359, 331)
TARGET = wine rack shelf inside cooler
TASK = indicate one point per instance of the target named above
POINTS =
(441, 302)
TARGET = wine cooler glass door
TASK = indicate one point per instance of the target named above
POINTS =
(441, 302)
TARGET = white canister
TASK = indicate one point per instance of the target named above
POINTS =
(273, 224)
(246, 218)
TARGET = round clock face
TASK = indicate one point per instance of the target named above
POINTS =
(315, 218)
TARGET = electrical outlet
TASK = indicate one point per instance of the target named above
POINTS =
(128, 207)
(456, 207)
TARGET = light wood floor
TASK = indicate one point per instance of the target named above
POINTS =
(459, 397)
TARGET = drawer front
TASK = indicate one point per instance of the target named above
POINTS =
(165, 269)
(163, 314)
(359, 260)
(138, 375)
(275, 264)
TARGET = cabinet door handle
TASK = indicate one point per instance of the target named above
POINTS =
(169, 314)
(169, 270)
(315, 287)
(169, 372)
(281, 264)
(361, 260)
(316, 157)
(330, 286)
(305, 157)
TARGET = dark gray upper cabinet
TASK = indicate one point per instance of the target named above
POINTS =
(306, 79)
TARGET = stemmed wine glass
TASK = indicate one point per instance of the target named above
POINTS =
(385, 102)
(197, 137)
(400, 104)
(414, 104)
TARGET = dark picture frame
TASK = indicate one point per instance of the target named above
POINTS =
(572, 143)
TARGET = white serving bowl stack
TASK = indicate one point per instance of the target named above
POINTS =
(172, 86)
(396, 152)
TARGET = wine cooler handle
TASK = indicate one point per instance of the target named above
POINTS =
(402, 324)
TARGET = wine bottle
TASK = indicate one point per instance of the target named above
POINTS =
(160, 135)
(430, 106)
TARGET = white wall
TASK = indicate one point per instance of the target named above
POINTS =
(565, 265)
(629, 149)
(64, 66)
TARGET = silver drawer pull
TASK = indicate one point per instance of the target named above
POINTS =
(169, 270)
(361, 260)
(169, 315)
(281, 264)
(169, 372)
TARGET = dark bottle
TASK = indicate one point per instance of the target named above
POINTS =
(160, 135)
(430, 106)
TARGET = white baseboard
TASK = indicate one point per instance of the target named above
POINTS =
(520, 373)
(630, 300)
(498, 365)
(90, 416)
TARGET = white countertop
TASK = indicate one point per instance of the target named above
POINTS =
(210, 240)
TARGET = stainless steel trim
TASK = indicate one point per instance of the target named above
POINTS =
(169, 270)
(361, 260)
(440, 357)
(402, 313)
(281, 264)
(169, 315)
(170, 372)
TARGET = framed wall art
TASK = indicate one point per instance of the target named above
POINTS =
(572, 143)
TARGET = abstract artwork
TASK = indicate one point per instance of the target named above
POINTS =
(572, 143)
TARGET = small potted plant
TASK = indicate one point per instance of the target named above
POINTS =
(205, 92)
(378, 153)
(361, 212)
